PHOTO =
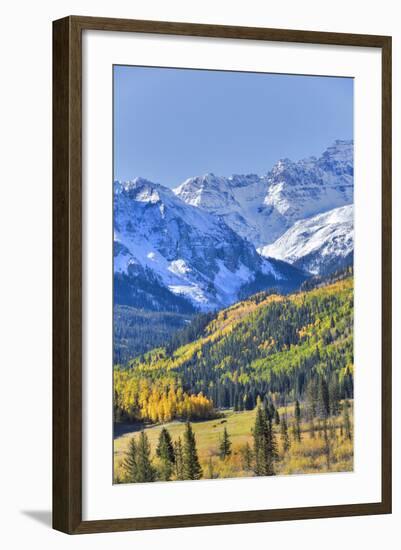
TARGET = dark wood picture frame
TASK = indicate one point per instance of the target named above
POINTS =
(67, 274)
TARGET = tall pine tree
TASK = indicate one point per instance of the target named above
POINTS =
(334, 395)
(258, 441)
(137, 463)
(272, 447)
(346, 420)
(191, 466)
(130, 462)
(145, 469)
(225, 445)
(297, 428)
(311, 397)
(285, 440)
(165, 451)
(179, 459)
(265, 448)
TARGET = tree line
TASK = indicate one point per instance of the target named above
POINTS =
(138, 399)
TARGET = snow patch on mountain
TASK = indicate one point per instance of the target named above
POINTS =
(317, 244)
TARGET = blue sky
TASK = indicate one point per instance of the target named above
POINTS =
(171, 124)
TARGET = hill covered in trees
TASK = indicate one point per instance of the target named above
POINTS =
(137, 331)
(275, 347)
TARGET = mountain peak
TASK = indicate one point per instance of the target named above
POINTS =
(143, 190)
(340, 151)
(135, 183)
(338, 158)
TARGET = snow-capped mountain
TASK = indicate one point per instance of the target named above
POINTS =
(238, 199)
(212, 240)
(170, 255)
(262, 208)
(319, 244)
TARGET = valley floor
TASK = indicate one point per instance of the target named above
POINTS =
(317, 452)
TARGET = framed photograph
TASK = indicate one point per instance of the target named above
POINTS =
(222, 275)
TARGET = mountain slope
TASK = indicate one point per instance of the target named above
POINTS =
(262, 208)
(172, 256)
(320, 244)
(263, 345)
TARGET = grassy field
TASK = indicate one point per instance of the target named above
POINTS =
(313, 454)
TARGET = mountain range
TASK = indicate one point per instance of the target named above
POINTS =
(214, 240)
(262, 208)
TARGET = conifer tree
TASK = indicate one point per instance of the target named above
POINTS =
(130, 461)
(272, 448)
(311, 398)
(297, 426)
(327, 450)
(277, 418)
(285, 440)
(144, 468)
(179, 459)
(259, 445)
(334, 396)
(271, 411)
(346, 420)
(257, 433)
(191, 466)
(225, 445)
(265, 448)
(165, 451)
